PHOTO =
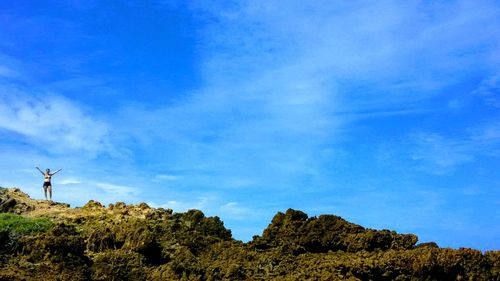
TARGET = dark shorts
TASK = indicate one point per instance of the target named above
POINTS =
(47, 184)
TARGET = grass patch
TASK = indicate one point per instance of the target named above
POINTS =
(23, 225)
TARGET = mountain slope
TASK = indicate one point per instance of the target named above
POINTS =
(136, 242)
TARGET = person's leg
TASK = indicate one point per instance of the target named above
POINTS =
(50, 192)
(45, 191)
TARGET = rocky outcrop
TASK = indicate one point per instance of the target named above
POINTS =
(296, 233)
(13, 200)
(51, 241)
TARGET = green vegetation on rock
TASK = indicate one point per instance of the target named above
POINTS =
(23, 225)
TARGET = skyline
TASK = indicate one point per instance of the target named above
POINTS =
(386, 114)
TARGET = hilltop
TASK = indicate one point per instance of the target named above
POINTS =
(41, 240)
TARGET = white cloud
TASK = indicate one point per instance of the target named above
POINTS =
(79, 192)
(9, 67)
(165, 177)
(203, 203)
(52, 122)
(277, 92)
(489, 90)
(210, 204)
(440, 154)
(66, 181)
(118, 190)
(234, 211)
(44, 119)
(379, 42)
(7, 72)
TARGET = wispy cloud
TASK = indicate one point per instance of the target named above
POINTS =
(279, 92)
(235, 211)
(118, 190)
(179, 205)
(489, 90)
(7, 72)
(66, 181)
(81, 191)
(9, 67)
(400, 45)
(165, 177)
(439, 154)
(212, 205)
(51, 122)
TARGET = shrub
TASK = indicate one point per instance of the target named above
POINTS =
(23, 225)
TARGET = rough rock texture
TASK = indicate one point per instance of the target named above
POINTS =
(136, 242)
(13, 200)
(294, 232)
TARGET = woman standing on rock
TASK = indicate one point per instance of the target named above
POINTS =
(46, 182)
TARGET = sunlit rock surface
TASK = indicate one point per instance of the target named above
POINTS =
(41, 240)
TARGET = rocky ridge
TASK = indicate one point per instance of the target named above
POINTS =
(137, 242)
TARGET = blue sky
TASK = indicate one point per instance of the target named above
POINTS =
(386, 113)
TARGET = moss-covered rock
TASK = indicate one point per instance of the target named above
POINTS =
(51, 241)
(295, 232)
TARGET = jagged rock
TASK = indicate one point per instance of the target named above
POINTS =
(427, 245)
(137, 242)
(52, 203)
(295, 232)
(11, 201)
(120, 205)
(8, 205)
(93, 205)
(144, 206)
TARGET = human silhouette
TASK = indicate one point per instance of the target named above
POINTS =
(47, 185)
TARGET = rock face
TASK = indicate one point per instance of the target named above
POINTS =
(295, 233)
(136, 242)
(13, 200)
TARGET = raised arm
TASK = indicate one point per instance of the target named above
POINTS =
(40, 171)
(56, 172)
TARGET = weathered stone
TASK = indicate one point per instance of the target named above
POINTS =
(136, 242)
